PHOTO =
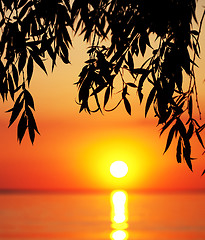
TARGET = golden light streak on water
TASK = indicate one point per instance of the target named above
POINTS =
(119, 215)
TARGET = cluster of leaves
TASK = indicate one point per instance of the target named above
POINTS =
(131, 25)
(32, 30)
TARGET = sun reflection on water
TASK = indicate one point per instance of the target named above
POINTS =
(119, 215)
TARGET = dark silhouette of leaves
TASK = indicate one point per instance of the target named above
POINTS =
(170, 137)
(11, 85)
(130, 61)
(150, 100)
(38, 60)
(15, 75)
(22, 126)
(190, 130)
(179, 150)
(32, 31)
(131, 85)
(141, 82)
(16, 109)
(22, 61)
(29, 69)
(107, 96)
(199, 138)
(127, 105)
(28, 99)
(32, 127)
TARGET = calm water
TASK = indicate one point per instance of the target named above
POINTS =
(102, 216)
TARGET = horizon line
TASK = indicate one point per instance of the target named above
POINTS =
(98, 191)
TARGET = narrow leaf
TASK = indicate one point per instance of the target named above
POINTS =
(11, 86)
(64, 53)
(31, 120)
(167, 124)
(150, 100)
(179, 150)
(140, 71)
(199, 138)
(187, 154)
(130, 61)
(107, 95)
(203, 173)
(131, 84)
(98, 89)
(190, 130)
(140, 85)
(119, 64)
(28, 99)
(127, 105)
(29, 69)
(15, 112)
(22, 126)
(194, 32)
(31, 133)
(15, 75)
(38, 60)
(170, 137)
(142, 45)
(22, 61)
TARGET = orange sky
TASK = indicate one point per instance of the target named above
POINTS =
(75, 150)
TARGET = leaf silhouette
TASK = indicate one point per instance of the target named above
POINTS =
(199, 138)
(22, 61)
(170, 137)
(150, 100)
(179, 150)
(131, 84)
(38, 60)
(29, 69)
(107, 95)
(127, 105)
(187, 152)
(130, 61)
(15, 112)
(15, 75)
(34, 31)
(11, 86)
(22, 126)
(28, 99)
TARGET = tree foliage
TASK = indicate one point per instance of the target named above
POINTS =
(119, 32)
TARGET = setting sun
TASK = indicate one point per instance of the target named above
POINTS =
(118, 169)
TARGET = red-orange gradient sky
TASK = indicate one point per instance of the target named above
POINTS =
(74, 151)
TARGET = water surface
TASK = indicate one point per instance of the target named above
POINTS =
(89, 217)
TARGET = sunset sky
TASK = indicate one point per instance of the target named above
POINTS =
(75, 150)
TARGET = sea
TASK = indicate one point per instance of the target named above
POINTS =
(116, 215)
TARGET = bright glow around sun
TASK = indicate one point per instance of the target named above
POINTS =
(118, 169)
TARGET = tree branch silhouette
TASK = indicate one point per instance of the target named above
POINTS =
(120, 32)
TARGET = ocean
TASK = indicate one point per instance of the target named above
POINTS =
(116, 216)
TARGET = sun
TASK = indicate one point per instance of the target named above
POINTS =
(118, 169)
